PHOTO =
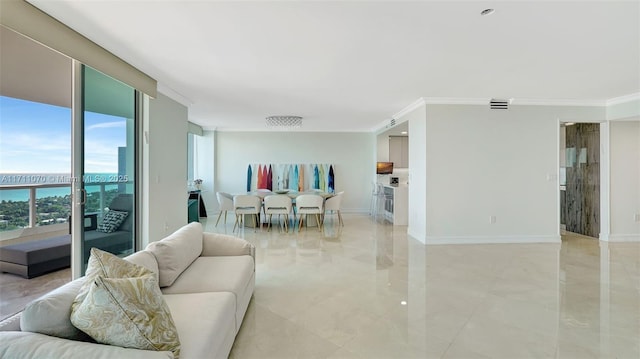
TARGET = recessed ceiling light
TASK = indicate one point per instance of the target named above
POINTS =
(486, 12)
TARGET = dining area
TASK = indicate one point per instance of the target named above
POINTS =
(294, 211)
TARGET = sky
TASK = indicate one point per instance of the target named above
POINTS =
(36, 138)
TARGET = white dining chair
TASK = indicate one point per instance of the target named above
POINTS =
(225, 202)
(279, 204)
(333, 204)
(307, 204)
(263, 192)
(246, 204)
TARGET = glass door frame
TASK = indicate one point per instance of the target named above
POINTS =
(78, 191)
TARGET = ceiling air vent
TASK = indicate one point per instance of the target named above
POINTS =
(392, 122)
(497, 104)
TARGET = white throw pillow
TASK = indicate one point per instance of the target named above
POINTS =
(145, 259)
(50, 314)
(176, 252)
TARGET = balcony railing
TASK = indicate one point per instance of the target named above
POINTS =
(32, 196)
(32, 188)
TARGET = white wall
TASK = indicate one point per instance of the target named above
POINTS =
(351, 153)
(417, 215)
(382, 147)
(164, 194)
(204, 169)
(483, 163)
(625, 180)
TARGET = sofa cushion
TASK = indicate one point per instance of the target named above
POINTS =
(124, 203)
(127, 312)
(50, 314)
(145, 259)
(216, 244)
(176, 252)
(214, 274)
(106, 265)
(12, 323)
(25, 345)
(114, 242)
(112, 221)
(219, 274)
(205, 323)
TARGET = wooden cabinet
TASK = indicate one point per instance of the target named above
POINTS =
(399, 151)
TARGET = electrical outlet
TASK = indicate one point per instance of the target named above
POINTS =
(492, 219)
(636, 217)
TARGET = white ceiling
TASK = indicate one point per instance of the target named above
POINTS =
(351, 65)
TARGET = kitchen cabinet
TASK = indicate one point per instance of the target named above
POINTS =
(396, 204)
(399, 151)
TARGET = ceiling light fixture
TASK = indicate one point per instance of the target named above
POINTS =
(486, 12)
(284, 121)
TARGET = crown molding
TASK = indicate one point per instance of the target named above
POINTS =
(558, 102)
(514, 101)
(456, 101)
(623, 99)
(174, 95)
(415, 104)
(485, 101)
(384, 125)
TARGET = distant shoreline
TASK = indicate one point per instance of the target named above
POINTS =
(22, 195)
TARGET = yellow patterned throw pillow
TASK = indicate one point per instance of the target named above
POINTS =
(127, 311)
(107, 265)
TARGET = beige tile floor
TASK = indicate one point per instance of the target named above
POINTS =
(16, 292)
(368, 291)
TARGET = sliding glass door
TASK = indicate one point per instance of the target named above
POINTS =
(104, 165)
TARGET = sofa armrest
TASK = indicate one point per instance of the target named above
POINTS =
(11, 324)
(34, 345)
(214, 244)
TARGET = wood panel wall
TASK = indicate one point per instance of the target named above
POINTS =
(582, 202)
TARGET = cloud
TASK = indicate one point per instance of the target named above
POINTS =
(34, 142)
(113, 124)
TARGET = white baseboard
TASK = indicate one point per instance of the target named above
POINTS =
(415, 235)
(624, 237)
(492, 239)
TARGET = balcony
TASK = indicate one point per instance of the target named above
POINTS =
(98, 196)
(16, 291)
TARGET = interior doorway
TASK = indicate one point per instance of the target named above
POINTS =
(580, 178)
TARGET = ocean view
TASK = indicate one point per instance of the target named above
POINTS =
(16, 195)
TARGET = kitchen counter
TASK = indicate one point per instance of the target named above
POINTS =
(397, 210)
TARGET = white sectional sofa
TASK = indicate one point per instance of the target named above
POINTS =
(207, 281)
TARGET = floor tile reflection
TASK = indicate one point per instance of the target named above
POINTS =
(365, 290)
